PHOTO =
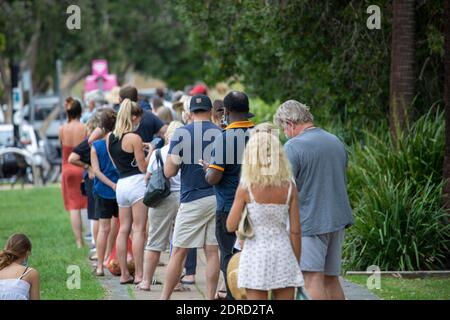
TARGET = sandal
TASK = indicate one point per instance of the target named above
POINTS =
(128, 282)
(186, 281)
(98, 274)
(181, 288)
(221, 295)
(141, 288)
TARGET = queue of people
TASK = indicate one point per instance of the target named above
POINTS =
(222, 168)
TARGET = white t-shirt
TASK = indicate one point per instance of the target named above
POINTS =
(167, 104)
(175, 182)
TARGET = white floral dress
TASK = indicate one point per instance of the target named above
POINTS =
(267, 260)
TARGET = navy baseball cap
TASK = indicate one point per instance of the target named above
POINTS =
(200, 102)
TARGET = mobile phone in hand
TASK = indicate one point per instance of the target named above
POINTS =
(156, 141)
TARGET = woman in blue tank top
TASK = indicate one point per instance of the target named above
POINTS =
(106, 176)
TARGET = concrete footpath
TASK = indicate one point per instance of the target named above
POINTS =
(116, 291)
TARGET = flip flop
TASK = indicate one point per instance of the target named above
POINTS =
(131, 281)
(220, 295)
(95, 273)
(138, 287)
(180, 288)
(186, 282)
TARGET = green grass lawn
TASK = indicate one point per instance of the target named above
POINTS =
(408, 289)
(39, 213)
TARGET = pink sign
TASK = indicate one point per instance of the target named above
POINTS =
(99, 67)
(100, 79)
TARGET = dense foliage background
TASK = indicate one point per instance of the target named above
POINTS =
(322, 53)
(319, 52)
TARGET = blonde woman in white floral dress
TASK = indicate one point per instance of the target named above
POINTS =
(270, 259)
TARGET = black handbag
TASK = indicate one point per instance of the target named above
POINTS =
(158, 187)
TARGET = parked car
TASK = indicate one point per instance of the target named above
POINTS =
(44, 106)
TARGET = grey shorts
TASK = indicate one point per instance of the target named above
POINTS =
(323, 253)
(160, 221)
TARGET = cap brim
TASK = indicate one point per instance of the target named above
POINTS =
(204, 108)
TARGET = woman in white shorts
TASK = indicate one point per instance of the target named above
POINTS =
(126, 150)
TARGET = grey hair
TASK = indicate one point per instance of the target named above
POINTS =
(185, 115)
(292, 111)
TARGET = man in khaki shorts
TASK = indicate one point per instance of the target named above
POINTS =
(195, 223)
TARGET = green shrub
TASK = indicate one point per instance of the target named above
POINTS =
(395, 192)
(396, 195)
(263, 112)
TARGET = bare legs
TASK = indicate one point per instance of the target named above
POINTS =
(333, 288)
(95, 229)
(256, 294)
(139, 235)
(322, 287)
(175, 267)
(212, 270)
(122, 241)
(77, 227)
(151, 259)
(278, 294)
(111, 239)
(173, 272)
(102, 239)
(284, 294)
(85, 222)
(132, 218)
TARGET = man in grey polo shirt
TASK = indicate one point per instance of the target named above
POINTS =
(319, 163)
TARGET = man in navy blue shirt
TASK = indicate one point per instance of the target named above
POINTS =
(224, 170)
(195, 223)
(150, 125)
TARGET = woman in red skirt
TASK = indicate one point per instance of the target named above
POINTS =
(70, 135)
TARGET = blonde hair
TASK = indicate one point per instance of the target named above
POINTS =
(124, 121)
(265, 162)
(171, 130)
(165, 114)
(16, 247)
(268, 127)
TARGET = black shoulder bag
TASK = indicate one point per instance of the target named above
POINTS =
(158, 187)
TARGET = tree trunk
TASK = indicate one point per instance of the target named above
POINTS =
(446, 171)
(6, 81)
(402, 76)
